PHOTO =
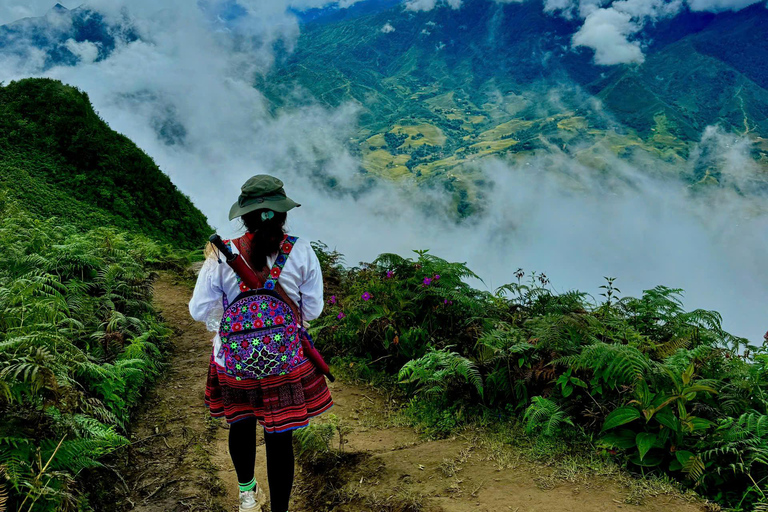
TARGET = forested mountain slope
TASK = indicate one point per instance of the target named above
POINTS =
(59, 159)
(86, 218)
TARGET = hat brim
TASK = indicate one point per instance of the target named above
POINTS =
(277, 204)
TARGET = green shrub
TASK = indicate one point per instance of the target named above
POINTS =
(658, 387)
(79, 342)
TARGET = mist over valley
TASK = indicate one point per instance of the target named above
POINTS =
(502, 134)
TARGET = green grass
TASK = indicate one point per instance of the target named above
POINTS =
(79, 343)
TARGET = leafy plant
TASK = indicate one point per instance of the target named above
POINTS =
(437, 372)
(545, 416)
(79, 342)
(659, 387)
(672, 423)
(3, 492)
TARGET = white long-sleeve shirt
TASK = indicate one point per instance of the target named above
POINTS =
(301, 278)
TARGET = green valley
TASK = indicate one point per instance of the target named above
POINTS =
(436, 94)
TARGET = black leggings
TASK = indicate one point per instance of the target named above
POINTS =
(280, 465)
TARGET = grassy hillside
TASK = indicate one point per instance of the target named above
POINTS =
(79, 343)
(58, 158)
(87, 217)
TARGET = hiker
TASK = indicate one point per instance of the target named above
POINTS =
(258, 371)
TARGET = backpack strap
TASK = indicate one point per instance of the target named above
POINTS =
(272, 282)
(243, 245)
(285, 250)
(269, 276)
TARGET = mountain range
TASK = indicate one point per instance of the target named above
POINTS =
(439, 90)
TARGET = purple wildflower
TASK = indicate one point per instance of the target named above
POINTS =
(446, 301)
(427, 281)
(390, 274)
(366, 296)
(332, 300)
(436, 278)
(340, 315)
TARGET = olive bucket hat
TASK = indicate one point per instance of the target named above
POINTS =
(262, 192)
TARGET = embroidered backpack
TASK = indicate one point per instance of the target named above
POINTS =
(260, 329)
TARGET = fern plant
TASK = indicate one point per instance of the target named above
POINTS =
(3, 492)
(79, 341)
(652, 380)
(740, 449)
(546, 417)
(439, 372)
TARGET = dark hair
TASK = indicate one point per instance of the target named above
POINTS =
(267, 235)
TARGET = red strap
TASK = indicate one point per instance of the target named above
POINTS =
(243, 245)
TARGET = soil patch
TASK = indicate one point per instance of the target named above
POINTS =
(168, 467)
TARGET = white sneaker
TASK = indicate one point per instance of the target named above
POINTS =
(251, 501)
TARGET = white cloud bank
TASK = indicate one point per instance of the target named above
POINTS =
(548, 214)
(428, 5)
(606, 31)
(611, 31)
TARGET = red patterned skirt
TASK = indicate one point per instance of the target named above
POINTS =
(278, 402)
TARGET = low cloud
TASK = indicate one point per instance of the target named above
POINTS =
(721, 5)
(613, 31)
(183, 92)
(428, 5)
(607, 32)
(85, 51)
(387, 28)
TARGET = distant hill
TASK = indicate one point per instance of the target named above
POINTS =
(58, 158)
(717, 74)
(442, 88)
(56, 32)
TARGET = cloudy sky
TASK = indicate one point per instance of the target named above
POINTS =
(191, 70)
(610, 28)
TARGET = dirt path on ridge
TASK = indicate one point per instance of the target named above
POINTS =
(182, 463)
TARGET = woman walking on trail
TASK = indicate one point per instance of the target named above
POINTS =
(258, 372)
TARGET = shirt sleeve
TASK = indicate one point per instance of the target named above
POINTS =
(208, 293)
(311, 287)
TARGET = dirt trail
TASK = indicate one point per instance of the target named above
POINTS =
(182, 464)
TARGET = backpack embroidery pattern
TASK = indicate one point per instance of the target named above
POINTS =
(259, 331)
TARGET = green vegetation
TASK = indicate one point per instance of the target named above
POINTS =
(640, 380)
(87, 216)
(79, 341)
(58, 158)
(438, 94)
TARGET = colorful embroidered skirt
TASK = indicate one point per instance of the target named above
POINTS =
(278, 402)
